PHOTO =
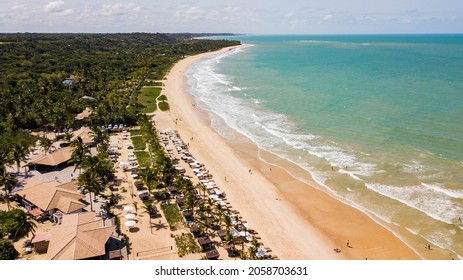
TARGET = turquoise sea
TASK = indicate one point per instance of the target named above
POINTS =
(375, 120)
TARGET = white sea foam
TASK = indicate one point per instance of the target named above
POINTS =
(436, 204)
(440, 189)
(235, 105)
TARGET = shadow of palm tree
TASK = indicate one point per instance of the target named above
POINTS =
(159, 226)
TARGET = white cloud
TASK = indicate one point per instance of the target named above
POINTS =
(328, 17)
(119, 9)
(57, 8)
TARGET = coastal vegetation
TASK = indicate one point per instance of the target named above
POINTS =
(7, 250)
(186, 244)
(49, 79)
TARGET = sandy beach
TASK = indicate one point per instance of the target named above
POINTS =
(294, 219)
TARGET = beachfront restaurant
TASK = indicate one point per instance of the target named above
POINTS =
(53, 161)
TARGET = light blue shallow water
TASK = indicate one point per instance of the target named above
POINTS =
(384, 112)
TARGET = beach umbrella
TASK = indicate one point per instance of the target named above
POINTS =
(234, 232)
(261, 252)
(217, 191)
(128, 208)
(221, 203)
(246, 235)
(130, 223)
(246, 225)
(123, 163)
(134, 176)
(130, 216)
(214, 196)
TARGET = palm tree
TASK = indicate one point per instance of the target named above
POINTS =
(79, 153)
(46, 144)
(149, 207)
(67, 136)
(100, 138)
(98, 171)
(7, 250)
(19, 224)
(8, 182)
(255, 245)
(18, 153)
(149, 176)
(90, 182)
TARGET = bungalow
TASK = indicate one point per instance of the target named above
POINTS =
(81, 236)
(51, 199)
(85, 133)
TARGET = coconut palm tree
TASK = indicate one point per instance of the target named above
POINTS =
(67, 136)
(150, 177)
(89, 181)
(17, 223)
(100, 138)
(7, 250)
(149, 208)
(79, 152)
(18, 153)
(98, 171)
(46, 144)
(8, 182)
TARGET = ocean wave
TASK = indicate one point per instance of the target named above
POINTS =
(440, 189)
(435, 204)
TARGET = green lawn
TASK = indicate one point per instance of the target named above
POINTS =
(136, 132)
(173, 216)
(138, 143)
(143, 159)
(148, 98)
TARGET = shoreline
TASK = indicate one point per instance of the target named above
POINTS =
(301, 221)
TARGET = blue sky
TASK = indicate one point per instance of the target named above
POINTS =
(235, 16)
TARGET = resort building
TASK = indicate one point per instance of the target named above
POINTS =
(52, 199)
(81, 236)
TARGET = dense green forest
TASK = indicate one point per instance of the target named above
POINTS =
(47, 79)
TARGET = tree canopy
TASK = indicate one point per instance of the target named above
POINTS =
(47, 79)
